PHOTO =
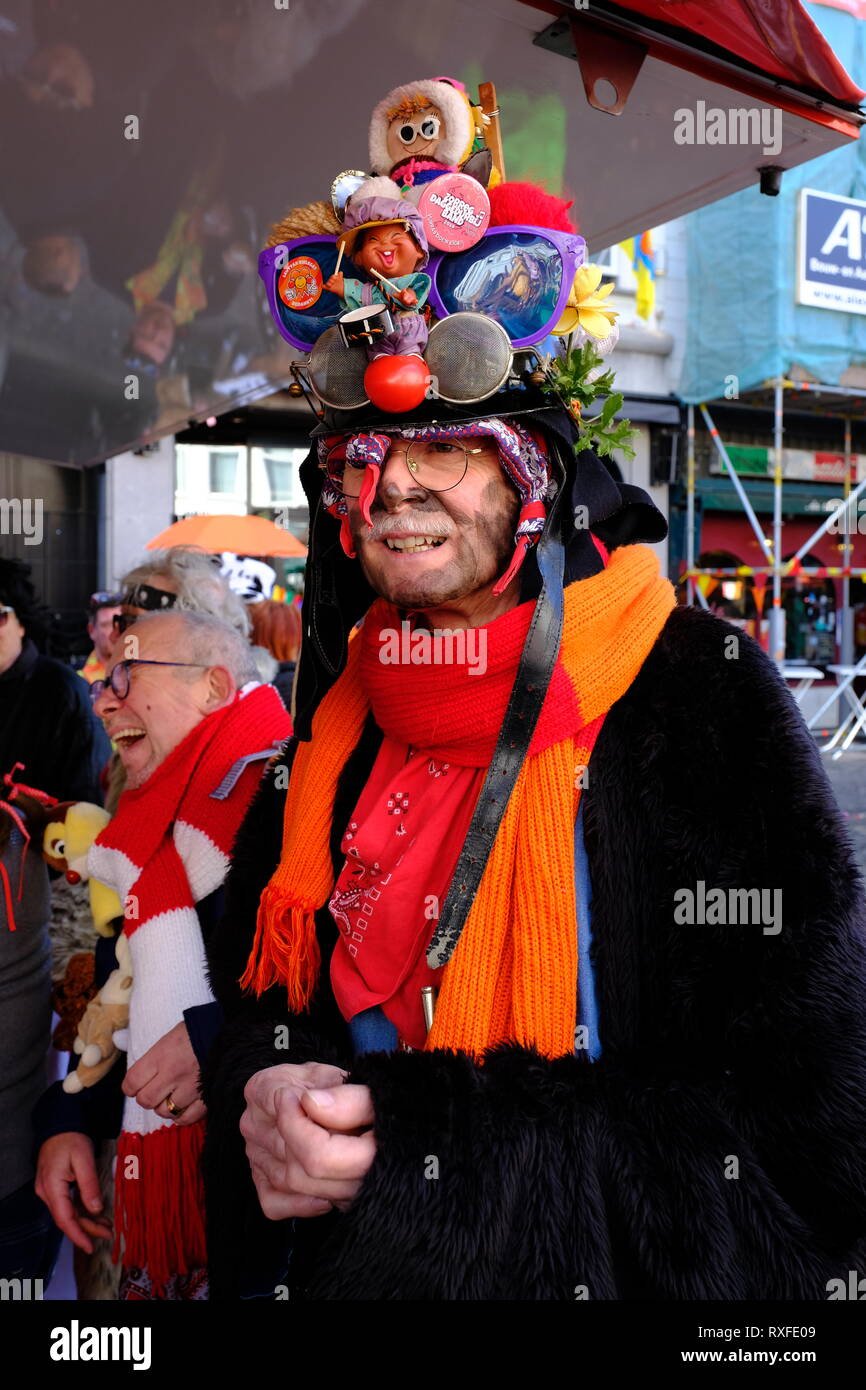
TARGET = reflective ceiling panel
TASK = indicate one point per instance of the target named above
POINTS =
(145, 148)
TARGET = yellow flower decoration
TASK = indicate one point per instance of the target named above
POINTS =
(585, 307)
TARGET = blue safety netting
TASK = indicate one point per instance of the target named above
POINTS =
(743, 320)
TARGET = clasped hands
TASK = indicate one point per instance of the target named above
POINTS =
(307, 1138)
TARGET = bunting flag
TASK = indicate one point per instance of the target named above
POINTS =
(640, 252)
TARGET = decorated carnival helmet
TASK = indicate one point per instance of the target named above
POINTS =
(584, 514)
(493, 296)
(492, 301)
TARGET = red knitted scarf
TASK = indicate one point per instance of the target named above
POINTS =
(419, 708)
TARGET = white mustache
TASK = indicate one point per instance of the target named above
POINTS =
(420, 524)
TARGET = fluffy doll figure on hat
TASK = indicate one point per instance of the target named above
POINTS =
(422, 130)
(386, 239)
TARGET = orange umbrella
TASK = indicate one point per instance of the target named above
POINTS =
(243, 535)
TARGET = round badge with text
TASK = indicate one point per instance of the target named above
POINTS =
(300, 283)
(455, 210)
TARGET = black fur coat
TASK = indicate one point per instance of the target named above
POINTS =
(717, 1150)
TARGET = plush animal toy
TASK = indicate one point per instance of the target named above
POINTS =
(73, 827)
(105, 1017)
(65, 842)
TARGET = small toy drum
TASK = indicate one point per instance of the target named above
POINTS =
(365, 325)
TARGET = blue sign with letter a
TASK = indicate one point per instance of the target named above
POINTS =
(832, 252)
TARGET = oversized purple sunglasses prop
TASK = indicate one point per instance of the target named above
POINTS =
(301, 327)
(518, 275)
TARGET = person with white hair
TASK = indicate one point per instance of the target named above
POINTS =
(195, 582)
(193, 729)
(184, 578)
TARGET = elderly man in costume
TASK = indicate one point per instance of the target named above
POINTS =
(543, 962)
(193, 729)
(476, 1050)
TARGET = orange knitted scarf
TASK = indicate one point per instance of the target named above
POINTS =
(513, 974)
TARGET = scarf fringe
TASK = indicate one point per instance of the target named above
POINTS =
(159, 1202)
(285, 950)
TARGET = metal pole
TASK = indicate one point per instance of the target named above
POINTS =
(738, 486)
(822, 388)
(847, 627)
(777, 640)
(743, 571)
(830, 521)
(690, 504)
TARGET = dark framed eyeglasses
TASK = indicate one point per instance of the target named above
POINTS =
(437, 465)
(5, 610)
(118, 681)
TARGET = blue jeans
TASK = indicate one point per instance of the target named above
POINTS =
(29, 1239)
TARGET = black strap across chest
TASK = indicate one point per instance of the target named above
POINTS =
(537, 661)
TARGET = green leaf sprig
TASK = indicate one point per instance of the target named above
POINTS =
(568, 377)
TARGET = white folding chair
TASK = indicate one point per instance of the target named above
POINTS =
(806, 675)
(855, 720)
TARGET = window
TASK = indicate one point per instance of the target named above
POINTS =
(223, 471)
(276, 480)
(606, 259)
(617, 267)
(182, 474)
(281, 476)
(810, 616)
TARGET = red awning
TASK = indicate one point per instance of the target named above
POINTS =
(735, 535)
(777, 36)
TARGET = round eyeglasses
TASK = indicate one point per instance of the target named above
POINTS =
(436, 465)
(118, 681)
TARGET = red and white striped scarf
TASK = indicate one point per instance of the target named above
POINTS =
(166, 849)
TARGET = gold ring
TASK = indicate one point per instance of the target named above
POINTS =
(173, 1110)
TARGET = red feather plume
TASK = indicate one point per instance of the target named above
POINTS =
(513, 204)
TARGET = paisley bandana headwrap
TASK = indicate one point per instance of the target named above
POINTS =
(522, 454)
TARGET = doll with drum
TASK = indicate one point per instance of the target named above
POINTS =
(384, 237)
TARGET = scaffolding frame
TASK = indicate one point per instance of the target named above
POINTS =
(772, 550)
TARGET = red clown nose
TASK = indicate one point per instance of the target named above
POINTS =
(397, 383)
